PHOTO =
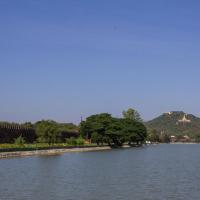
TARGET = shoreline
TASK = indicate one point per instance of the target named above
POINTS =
(184, 143)
(60, 151)
(50, 152)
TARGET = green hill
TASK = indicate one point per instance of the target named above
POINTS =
(176, 123)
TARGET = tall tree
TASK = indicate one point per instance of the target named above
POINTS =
(132, 114)
(47, 131)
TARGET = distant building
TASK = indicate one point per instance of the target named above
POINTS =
(173, 139)
(184, 138)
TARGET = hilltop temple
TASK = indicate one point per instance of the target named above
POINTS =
(184, 119)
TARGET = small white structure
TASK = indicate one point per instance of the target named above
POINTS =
(173, 138)
(186, 137)
(168, 113)
(184, 119)
(148, 142)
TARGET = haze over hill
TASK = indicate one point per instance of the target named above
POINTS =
(176, 123)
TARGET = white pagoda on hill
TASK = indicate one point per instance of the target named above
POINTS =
(184, 119)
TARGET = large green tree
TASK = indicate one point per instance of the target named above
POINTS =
(115, 132)
(95, 124)
(103, 128)
(135, 131)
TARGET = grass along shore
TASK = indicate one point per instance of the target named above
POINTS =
(39, 146)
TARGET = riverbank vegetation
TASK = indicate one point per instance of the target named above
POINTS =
(99, 129)
(40, 146)
(104, 128)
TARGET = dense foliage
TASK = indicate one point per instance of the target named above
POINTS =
(132, 114)
(45, 131)
(168, 124)
(103, 128)
(48, 132)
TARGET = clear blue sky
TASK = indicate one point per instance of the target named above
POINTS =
(64, 59)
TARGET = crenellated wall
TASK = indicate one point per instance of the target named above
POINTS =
(9, 132)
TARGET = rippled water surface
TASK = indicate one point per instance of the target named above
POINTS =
(150, 173)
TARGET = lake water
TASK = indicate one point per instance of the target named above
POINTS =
(156, 172)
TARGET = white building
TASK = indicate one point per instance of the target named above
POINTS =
(184, 119)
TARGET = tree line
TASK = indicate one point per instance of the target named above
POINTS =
(100, 129)
(45, 131)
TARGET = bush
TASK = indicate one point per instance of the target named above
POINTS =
(20, 141)
(41, 140)
(80, 141)
(71, 141)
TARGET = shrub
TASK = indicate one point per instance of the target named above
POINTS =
(71, 141)
(80, 141)
(41, 140)
(20, 141)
